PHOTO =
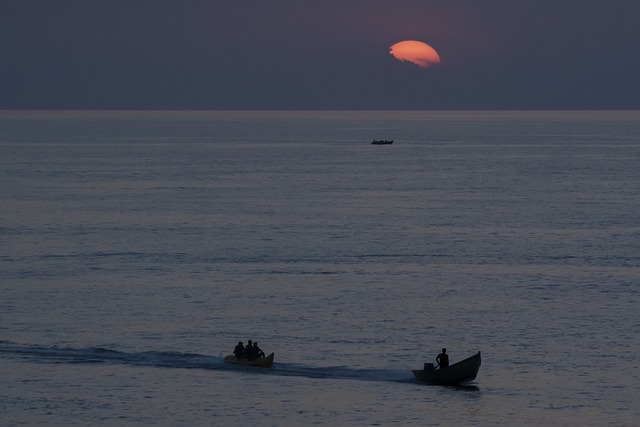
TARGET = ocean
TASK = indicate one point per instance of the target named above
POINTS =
(138, 247)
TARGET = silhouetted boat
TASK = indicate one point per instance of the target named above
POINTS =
(461, 372)
(262, 362)
(382, 142)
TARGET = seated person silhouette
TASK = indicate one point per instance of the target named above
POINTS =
(239, 350)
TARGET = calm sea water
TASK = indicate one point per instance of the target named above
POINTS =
(136, 249)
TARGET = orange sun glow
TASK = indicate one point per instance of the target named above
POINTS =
(416, 52)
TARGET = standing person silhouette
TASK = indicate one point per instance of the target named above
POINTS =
(443, 359)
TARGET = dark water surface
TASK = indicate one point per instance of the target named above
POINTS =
(136, 249)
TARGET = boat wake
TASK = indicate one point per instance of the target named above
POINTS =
(178, 360)
(341, 372)
(44, 354)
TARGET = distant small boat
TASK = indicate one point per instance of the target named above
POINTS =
(262, 362)
(461, 372)
(382, 142)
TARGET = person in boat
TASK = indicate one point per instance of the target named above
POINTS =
(239, 350)
(443, 359)
(249, 351)
(257, 351)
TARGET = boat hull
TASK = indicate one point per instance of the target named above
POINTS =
(461, 372)
(263, 362)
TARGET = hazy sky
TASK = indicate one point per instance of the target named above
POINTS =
(318, 54)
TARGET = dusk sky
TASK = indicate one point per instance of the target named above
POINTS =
(318, 54)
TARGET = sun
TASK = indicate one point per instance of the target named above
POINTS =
(416, 52)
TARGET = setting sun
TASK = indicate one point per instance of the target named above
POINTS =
(416, 52)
